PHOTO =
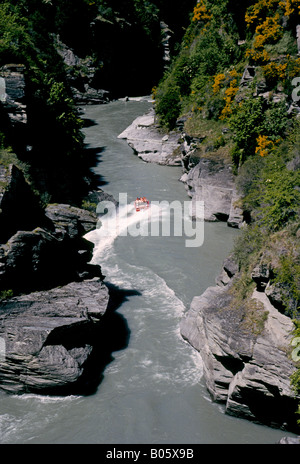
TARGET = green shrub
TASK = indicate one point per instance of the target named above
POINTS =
(252, 118)
(15, 41)
(247, 123)
(6, 294)
(168, 107)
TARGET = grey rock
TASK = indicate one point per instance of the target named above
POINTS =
(13, 76)
(230, 265)
(71, 220)
(245, 369)
(229, 270)
(289, 441)
(248, 75)
(80, 73)
(51, 255)
(236, 214)
(150, 143)
(261, 275)
(47, 336)
(298, 37)
(13, 93)
(213, 183)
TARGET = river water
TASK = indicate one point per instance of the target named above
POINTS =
(152, 391)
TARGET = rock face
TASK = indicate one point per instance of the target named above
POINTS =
(51, 255)
(244, 352)
(152, 144)
(13, 92)
(13, 108)
(213, 183)
(48, 336)
(81, 73)
(50, 328)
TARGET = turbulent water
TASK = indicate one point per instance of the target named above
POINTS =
(152, 392)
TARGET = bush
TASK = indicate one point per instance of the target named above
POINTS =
(168, 106)
(254, 119)
(247, 124)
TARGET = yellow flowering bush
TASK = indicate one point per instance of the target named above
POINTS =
(201, 12)
(264, 145)
(265, 16)
(256, 12)
(290, 7)
(258, 55)
(293, 67)
(218, 81)
(275, 71)
(229, 80)
(230, 93)
(269, 31)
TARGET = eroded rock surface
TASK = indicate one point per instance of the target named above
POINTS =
(49, 336)
(152, 144)
(244, 351)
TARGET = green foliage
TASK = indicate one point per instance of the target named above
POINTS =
(6, 294)
(148, 16)
(270, 189)
(15, 41)
(168, 106)
(206, 49)
(287, 276)
(275, 120)
(64, 112)
(247, 248)
(252, 118)
(247, 124)
(279, 198)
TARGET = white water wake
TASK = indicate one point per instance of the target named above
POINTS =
(153, 316)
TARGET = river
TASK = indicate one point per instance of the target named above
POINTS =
(152, 391)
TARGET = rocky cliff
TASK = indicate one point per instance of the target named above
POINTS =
(52, 301)
(49, 338)
(49, 334)
(244, 349)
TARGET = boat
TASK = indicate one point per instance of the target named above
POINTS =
(141, 203)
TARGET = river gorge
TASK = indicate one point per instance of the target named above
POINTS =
(152, 390)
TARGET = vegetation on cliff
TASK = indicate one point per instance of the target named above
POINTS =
(233, 84)
(102, 35)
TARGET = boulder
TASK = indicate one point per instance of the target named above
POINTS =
(49, 337)
(213, 182)
(152, 144)
(70, 220)
(52, 255)
(289, 441)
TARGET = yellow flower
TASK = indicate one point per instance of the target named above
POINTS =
(264, 145)
(201, 12)
(219, 78)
